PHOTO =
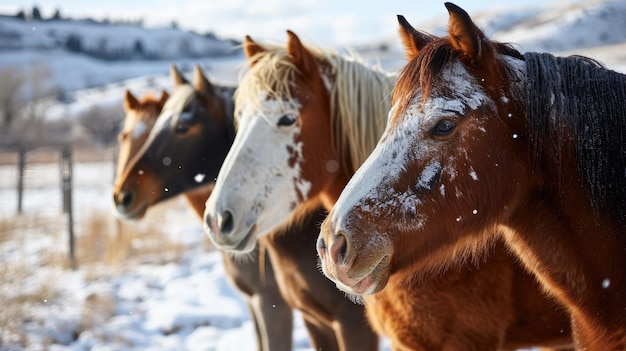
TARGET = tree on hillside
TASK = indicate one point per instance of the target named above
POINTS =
(56, 15)
(21, 15)
(138, 47)
(36, 15)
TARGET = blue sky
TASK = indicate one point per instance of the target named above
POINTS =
(327, 22)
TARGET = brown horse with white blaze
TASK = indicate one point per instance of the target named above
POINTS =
(307, 119)
(486, 144)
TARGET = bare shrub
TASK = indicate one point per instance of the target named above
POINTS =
(11, 81)
(103, 123)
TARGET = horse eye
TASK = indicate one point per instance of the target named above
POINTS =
(286, 120)
(122, 136)
(444, 127)
(181, 128)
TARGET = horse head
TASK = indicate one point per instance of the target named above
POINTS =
(434, 186)
(183, 150)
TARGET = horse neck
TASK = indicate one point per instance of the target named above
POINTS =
(571, 115)
(558, 213)
(359, 107)
(331, 193)
(196, 198)
(226, 96)
(359, 103)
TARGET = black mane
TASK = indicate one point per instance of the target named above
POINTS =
(575, 97)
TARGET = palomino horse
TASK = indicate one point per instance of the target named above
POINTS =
(136, 169)
(486, 143)
(184, 137)
(307, 119)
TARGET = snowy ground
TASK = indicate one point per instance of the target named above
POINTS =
(186, 304)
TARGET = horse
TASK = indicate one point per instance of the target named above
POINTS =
(137, 168)
(285, 258)
(139, 116)
(307, 119)
(484, 144)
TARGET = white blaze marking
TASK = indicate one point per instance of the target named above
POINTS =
(256, 175)
(139, 130)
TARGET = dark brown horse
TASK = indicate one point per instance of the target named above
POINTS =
(183, 134)
(137, 174)
(307, 119)
(484, 143)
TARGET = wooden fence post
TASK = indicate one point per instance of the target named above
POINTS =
(66, 171)
(20, 180)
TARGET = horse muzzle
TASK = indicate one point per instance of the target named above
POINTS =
(353, 270)
(226, 234)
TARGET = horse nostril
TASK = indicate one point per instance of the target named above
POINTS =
(125, 198)
(226, 222)
(339, 249)
(320, 246)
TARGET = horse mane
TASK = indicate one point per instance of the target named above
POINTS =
(358, 96)
(184, 94)
(575, 98)
(180, 97)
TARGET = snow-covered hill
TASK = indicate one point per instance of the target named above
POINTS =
(79, 54)
(594, 28)
(107, 41)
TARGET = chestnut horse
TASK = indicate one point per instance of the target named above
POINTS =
(484, 143)
(270, 315)
(307, 119)
(138, 120)
(183, 134)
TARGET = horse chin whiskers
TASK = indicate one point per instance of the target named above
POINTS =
(356, 299)
(241, 256)
(137, 214)
(244, 246)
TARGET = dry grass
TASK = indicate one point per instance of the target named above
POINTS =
(105, 246)
(21, 295)
(114, 243)
(80, 153)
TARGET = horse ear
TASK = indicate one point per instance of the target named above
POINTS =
(200, 83)
(164, 96)
(177, 77)
(300, 56)
(130, 102)
(251, 48)
(413, 40)
(464, 34)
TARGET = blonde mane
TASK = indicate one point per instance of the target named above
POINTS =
(359, 96)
